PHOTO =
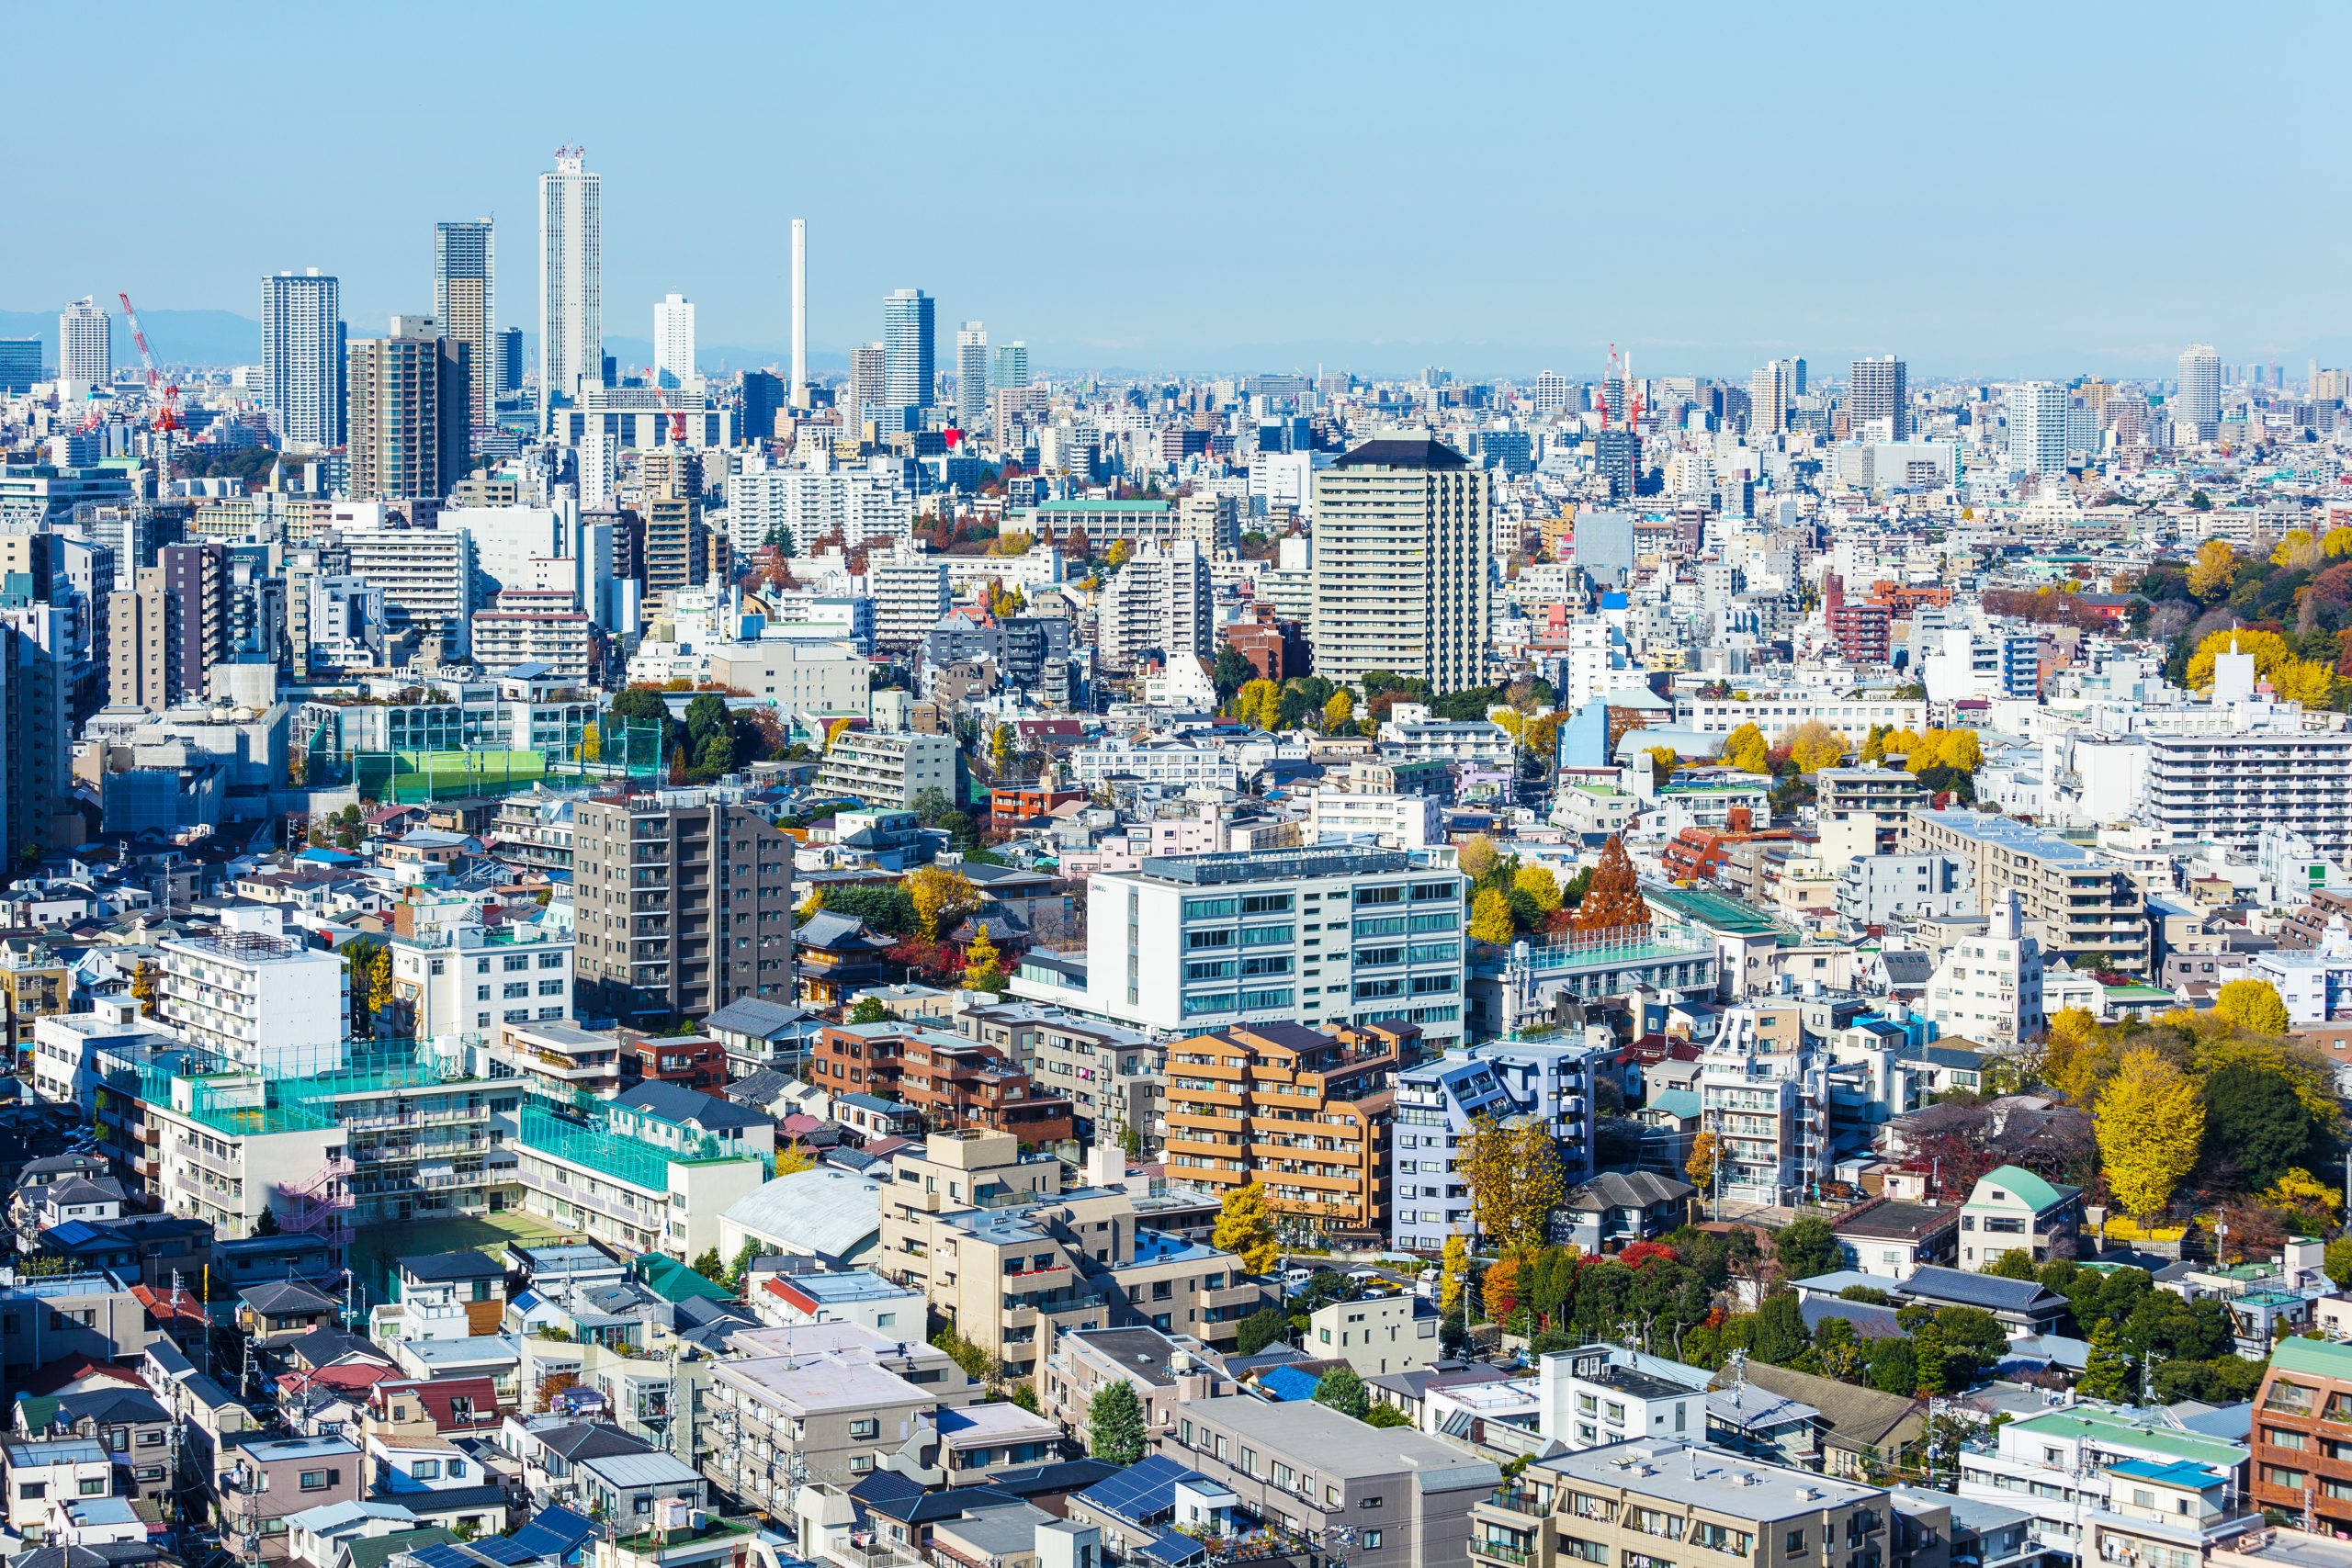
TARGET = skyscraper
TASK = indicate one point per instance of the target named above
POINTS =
(1011, 366)
(909, 367)
(506, 374)
(1550, 394)
(84, 346)
(864, 393)
(19, 365)
(301, 350)
(2200, 390)
(800, 312)
(1879, 390)
(2037, 427)
(1404, 535)
(1769, 392)
(674, 340)
(465, 301)
(410, 424)
(571, 279)
(971, 374)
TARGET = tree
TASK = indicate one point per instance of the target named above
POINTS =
(2151, 1125)
(941, 897)
(1807, 1248)
(2254, 1117)
(794, 1158)
(1664, 760)
(1000, 749)
(1706, 1158)
(1747, 750)
(1490, 917)
(710, 1268)
(1387, 1415)
(142, 988)
(1453, 1269)
(1342, 1389)
(2275, 660)
(1115, 1428)
(639, 705)
(1515, 1180)
(982, 968)
(1337, 709)
(1233, 671)
(1928, 1349)
(2252, 1004)
(1477, 857)
(1614, 901)
(1246, 1228)
(2213, 570)
(739, 1272)
(592, 744)
(380, 981)
(2108, 1375)
(1894, 1367)
(1779, 1330)
(1265, 1327)
(1813, 745)
(2338, 1262)
(1259, 705)
(869, 1011)
(1538, 883)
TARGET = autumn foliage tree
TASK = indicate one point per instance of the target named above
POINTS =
(942, 897)
(1813, 745)
(2213, 570)
(1614, 900)
(1747, 750)
(1515, 1179)
(2252, 1004)
(2151, 1123)
(1245, 1227)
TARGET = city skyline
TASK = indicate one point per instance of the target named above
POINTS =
(1654, 226)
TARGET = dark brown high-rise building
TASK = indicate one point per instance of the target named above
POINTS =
(684, 900)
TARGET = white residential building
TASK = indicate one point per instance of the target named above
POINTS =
(910, 594)
(1392, 821)
(462, 977)
(427, 575)
(84, 347)
(1404, 546)
(1159, 600)
(301, 358)
(1155, 761)
(1989, 989)
(812, 504)
(2225, 789)
(828, 679)
(2037, 414)
(1766, 1098)
(673, 340)
(888, 770)
(544, 626)
(254, 998)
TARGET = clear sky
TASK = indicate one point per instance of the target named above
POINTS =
(1988, 189)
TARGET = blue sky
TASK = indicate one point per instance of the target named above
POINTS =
(1989, 190)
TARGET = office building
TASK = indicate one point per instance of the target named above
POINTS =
(2199, 398)
(763, 398)
(465, 301)
(508, 377)
(862, 394)
(1404, 541)
(411, 421)
(684, 904)
(301, 358)
(84, 347)
(1549, 395)
(20, 364)
(1012, 366)
(2037, 414)
(673, 340)
(1879, 392)
(1157, 603)
(971, 374)
(572, 279)
(908, 372)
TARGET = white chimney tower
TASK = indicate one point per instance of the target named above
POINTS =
(800, 312)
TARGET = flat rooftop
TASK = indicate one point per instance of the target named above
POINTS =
(1721, 1483)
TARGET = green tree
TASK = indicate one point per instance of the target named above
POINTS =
(2015, 1264)
(2338, 1262)
(869, 1011)
(1927, 1347)
(1387, 1415)
(1265, 1327)
(739, 1272)
(1805, 1249)
(1342, 1389)
(2256, 1118)
(1779, 1329)
(2108, 1375)
(1233, 671)
(709, 1267)
(1894, 1367)
(1114, 1426)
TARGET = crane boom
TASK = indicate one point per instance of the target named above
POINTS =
(167, 418)
(677, 416)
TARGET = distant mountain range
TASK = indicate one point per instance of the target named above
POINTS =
(217, 338)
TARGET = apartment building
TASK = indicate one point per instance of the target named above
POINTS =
(829, 680)
(1307, 1114)
(1764, 1092)
(460, 976)
(682, 902)
(1013, 1260)
(889, 768)
(1651, 1501)
(1404, 533)
(1880, 889)
(2302, 1435)
(536, 625)
(1175, 762)
(954, 1083)
(1437, 1101)
(427, 577)
(1377, 1336)
(1860, 812)
(1405, 1499)
(1325, 937)
(1113, 1077)
(910, 594)
(253, 998)
(2109, 1486)
(2075, 903)
(1159, 601)
(649, 1171)
(2225, 789)
(1166, 1371)
(777, 1419)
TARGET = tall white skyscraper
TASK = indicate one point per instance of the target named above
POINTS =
(1769, 392)
(971, 374)
(2200, 390)
(799, 389)
(2037, 427)
(302, 357)
(909, 367)
(1879, 390)
(84, 346)
(465, 303)
(571, 279)
(674, 340)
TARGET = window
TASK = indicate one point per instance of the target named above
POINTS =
(2278, 1475)
(1794, 1545)
(866, 1428)
(426, 1470)
(32, 1492)
(2280, 1437)
(96, 1488)
(315, 1480)
(1371, 1501)
(1371, 1540)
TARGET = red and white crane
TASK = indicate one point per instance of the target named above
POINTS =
(677, 416)
(166, 393)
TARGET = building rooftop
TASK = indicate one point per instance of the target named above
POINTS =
(1341, 1446)
(1695, 1475)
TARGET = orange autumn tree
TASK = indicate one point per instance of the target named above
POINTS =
(1614, 900)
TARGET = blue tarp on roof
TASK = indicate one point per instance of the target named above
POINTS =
(324, 856)
(1289, 1383)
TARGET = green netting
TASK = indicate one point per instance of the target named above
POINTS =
(247, 1103)
(600, 1145)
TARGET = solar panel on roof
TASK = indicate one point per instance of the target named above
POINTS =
(444, 1555)
(505, 1549)
(1142, 1489)
(1175, 1547)
(557, 1532)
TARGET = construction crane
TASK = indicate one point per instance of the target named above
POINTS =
(1602, 398)
(167, 418)
(677, 416)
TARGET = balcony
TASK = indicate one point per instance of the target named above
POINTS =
(1518, 1500)
(1495, 1550)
